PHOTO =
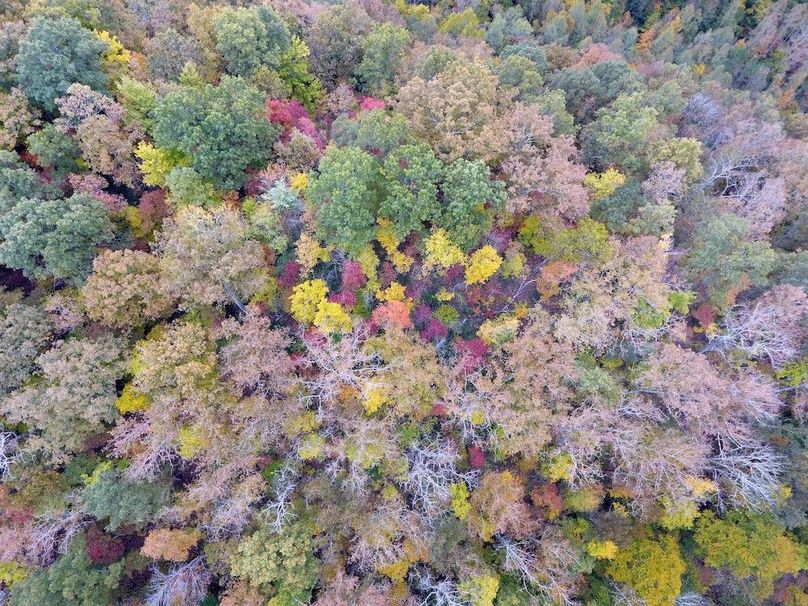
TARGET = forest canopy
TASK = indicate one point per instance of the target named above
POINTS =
(387, 303)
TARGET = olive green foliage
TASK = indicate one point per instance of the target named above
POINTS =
(282, 566)
(55, 150)
(222, 128)
(470, 198)
(619, 136)
(382, 52)
(752, 546)
(55, 53)
(723, 257)
(411, 173)
(109, 496)
(651, 567)
(54, 238)
(18, 180)
(72, 580)
(249, 38)
(345, 196)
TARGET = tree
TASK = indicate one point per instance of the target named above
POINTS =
(221, 128)
(470, 199)
(345, 196)
(24, 333)
(456, 111)
(508, 27)
(772, 327)
(54, 150)
(16, 118)
(619, 136)
(125, 290)
(725, 260)
(207, 258)
(652, 567)
(95, 121)
(377, 131)
(532, 388)
(12, 32)
(168, 52)
(589, 88)
(73, 398)
(482, 264)
(71, 581)
(180, 584)
(336, 42)
(281, 565)
(109, 496)
(249, 38)
(498, 507)
(412, 174)
(57, 52)
(254, 358)
(55, 238)
(174, 377)
(751, 545)
(382, 50)
(541, 170)
(295, 71)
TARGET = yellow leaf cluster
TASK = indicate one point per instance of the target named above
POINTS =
(190, 441)
(604, 184)
(386, 236)
(310, 252)
(117, 52)
(332, 318)
(482, 264)
(499, 330)
(602, 550)
(299, 182)
(394, 292)
(306, 298)
(377, 397)
(368, 261)
(131, 401)
(442, 252)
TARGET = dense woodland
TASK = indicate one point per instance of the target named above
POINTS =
(479, 303)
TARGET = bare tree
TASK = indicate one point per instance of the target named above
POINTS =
(182, 585)
(435, 592)
(769, 328)
(432, 470)
(748, 474)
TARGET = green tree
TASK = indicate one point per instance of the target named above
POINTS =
(222, 128)
(295, 71)
(382, 48)
(620, 135)
(109, 496)
(279, 565)
(378, 131)
(18, 180)
(412, 174)
(590, 88)
(724, 259)
(249, 38)
(335, 39)
(72, 397)
(55, 150)
(345, 195)
(56, 238)
(72, 580)
(56, 53)
(470, 199)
